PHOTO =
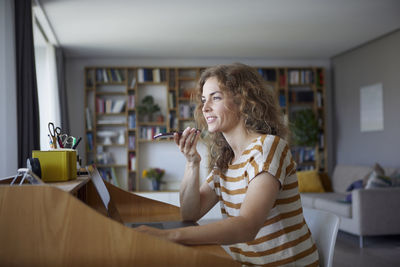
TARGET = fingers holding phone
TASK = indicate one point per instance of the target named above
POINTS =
(187, 143)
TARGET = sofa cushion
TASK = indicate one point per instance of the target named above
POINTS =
(345, 175)
(336, 206)
(309, 181)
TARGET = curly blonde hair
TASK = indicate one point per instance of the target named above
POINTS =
(257, 104)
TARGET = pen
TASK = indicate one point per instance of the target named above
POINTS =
(60, 144)
(77, 143)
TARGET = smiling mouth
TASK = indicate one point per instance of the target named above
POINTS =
(210, 119)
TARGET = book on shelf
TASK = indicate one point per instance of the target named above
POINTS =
(186, 111)
(133, 82)
(118, 106)
(105, 76)
(321, 141)
(131, 101)
(109, 105)
(156, 75)
(132, 162)
(89, 78)
(319, 99)
(147, 132)
(282, 100)
(89, 144)
(140, 72)
(131, 183)
(114, 177)
(132, 142)
(132, 121)
(282, 79)
(173, 121)
(301, 76)
(268, 74)
(171, 100)
(89, 124)
(301, 96)
(115, 121)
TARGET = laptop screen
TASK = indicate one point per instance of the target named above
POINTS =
(102, 190)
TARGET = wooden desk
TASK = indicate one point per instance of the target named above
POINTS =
(46, 226)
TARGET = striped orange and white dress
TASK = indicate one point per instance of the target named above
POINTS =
(284, 238)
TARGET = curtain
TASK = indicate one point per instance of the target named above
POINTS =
(27, 97)
(60, 61)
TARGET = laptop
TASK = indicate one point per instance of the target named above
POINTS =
(112, 210)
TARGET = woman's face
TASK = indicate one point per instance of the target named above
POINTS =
(219, 109)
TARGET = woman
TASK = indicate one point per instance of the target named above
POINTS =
(253, 175)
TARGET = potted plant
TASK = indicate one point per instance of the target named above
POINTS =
(155, 175)
(148, 108)
(305, 128)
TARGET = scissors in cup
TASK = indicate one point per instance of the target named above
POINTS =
(54, 134)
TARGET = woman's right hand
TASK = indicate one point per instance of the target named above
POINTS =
(187, 143)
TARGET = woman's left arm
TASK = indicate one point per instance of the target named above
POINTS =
(259, 200)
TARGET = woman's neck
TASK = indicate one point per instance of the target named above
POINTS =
(239, 139)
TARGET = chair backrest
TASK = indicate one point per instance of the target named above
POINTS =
(324, 227)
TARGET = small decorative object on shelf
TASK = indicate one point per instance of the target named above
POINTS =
(148, 108)
(155, 175)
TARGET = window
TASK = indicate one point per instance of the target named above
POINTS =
(46, 75)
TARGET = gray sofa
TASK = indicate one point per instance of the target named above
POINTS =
(372, 211)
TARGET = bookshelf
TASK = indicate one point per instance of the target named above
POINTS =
(113, 94)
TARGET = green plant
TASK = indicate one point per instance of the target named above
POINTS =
(305, 128)
(148, 107)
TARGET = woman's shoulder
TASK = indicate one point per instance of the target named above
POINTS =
(268, 141)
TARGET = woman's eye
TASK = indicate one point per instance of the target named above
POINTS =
(216, 98)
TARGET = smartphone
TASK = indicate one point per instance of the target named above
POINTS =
(166, 135)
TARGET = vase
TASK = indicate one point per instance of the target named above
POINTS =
(156, 185)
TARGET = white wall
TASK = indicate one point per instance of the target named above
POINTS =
(375, 62)
(8, 111)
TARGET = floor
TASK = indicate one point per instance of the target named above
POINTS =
(377, 251)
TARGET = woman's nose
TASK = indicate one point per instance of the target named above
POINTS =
(206, 106)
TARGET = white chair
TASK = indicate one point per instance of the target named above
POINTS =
(324, 227)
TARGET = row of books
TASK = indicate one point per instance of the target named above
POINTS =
(132, 121)
(147, 133)
(301, 96)
(151, 75)
(186, 110)
(268, 74)
(303, 154)
(108, 174)
(300, 76)
(109, 105)
(109, 75)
